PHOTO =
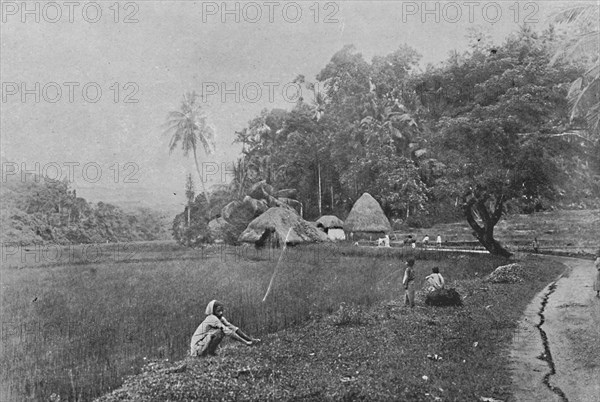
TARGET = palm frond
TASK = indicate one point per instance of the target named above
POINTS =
(582, 13)
(583, 100)
(593, 72)
(593, 120)
(586, 44)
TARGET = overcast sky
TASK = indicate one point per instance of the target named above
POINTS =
(143, 67)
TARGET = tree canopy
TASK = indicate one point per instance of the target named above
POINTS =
(486, 131)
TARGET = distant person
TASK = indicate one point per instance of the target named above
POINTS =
(426, 240)
(597, 281)
(213, 329)
(384, 241)
(438, 241)
(408, 239)
(409, 283)
(535, 245)
(435, 280)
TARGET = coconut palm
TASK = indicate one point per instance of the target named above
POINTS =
(584, 93)
(189, 127)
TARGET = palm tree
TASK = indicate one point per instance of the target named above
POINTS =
(584, 93)
(383, 118)
(189, 127)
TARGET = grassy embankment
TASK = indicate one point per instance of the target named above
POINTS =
(77, 330)
(384, 352)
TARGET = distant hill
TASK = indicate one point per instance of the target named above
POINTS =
(134, 198)
(39, 210)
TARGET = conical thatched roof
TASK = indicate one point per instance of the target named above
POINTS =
(330, 221)
(367, 216)
(279, 221)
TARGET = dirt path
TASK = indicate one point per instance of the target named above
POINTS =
(555, 354)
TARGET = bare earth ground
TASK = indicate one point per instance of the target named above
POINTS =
(571, 324)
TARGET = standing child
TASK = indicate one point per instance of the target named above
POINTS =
(409, 283)
(535, 245)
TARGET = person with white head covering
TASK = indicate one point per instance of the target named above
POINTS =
(213, 329)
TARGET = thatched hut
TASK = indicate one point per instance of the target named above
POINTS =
(333, 226)
(278, 225)
(367, 220)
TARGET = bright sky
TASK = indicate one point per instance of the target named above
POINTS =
(143, 66)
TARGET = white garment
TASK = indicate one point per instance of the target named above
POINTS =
(435, 281)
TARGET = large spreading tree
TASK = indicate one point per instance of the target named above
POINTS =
(497, 112)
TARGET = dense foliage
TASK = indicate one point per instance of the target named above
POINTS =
(485, 132)
(41, 210)
(486, 124)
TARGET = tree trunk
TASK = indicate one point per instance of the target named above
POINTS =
(242, 185)
(201, 180)
(331, 191)
(485, 233)
(320, 196)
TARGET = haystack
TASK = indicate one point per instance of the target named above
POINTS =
(279, 225)
(366, 219)
(333, 226)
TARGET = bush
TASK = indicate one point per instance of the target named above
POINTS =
(351, 314)
(443, 297)
(511, 273)
(419, 221)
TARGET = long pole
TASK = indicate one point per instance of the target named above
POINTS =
(277, 266)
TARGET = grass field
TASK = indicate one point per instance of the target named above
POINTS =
(378, 353)
(76, 328)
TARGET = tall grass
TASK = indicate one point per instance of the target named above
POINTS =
(77, 330)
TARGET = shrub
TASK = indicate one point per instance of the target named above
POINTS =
(443, 297)
(419, 221)
(511, 273)
(350, 314)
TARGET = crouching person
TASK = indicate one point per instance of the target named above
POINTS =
(435, 281)
(213, 329)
